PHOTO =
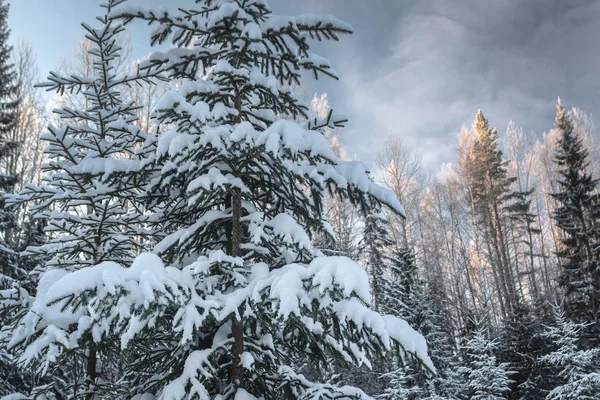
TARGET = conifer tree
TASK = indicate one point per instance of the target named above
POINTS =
(520, 345)
(403, 384)
(404, 295)
(8, 121)
(578, 218)
(88, 201)
(398, 284)
(485, 378)
(375, 240)
(522, 216)
(244, 293)
(12, 378)
(576, 371)
(489, 192)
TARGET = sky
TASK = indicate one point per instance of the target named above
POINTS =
(417, 69)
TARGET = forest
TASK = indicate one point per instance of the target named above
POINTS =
(191, 226)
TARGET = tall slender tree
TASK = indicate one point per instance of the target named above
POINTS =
(578, 218)
(8, 122)
(489, 192)
(375, 243)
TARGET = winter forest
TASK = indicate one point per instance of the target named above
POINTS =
(190, 226)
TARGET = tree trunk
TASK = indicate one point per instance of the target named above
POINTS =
(90, 372)
(237, 328)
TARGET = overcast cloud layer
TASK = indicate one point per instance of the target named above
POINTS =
(420, 69)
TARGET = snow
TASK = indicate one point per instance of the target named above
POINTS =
(290, 136)
(289, 290)
(330, 20)
(215, 179)
(181, 235)
(355, 174)
(252, 31)
(284, 226)
(257, 78)
(104, 166)
(226, 10)
(319, 62)
(196, 363)
(173, 101)
(43, 316)
(242, 394)
(145, 396)
(409, 339)
(14, 396)
(247, 360)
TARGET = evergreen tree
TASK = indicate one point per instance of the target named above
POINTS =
(244, 294)
(578, 218)
(486, 379)
(398, 284)
(403, 384)
(436, 330)
(8, 120)
(525, 221)
(405, 296)
(489, 192)
(12, 378)
(576, 371)
(88, 203)
(520, 345)
(375, 240)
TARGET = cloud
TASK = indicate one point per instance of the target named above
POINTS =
(421, 68)
(437, 62)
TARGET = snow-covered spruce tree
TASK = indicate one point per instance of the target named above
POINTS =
(520, 345)
(8, 120)
(402, 384)
(375, 241)
(433, 324)
(13, 379)
(398, 284)
(88, 201)
(485, 378)
(240, 194)
(407, 297)
(578, 218)
(576, 371)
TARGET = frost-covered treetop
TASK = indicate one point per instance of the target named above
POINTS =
(244, 33)
(235, 117)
